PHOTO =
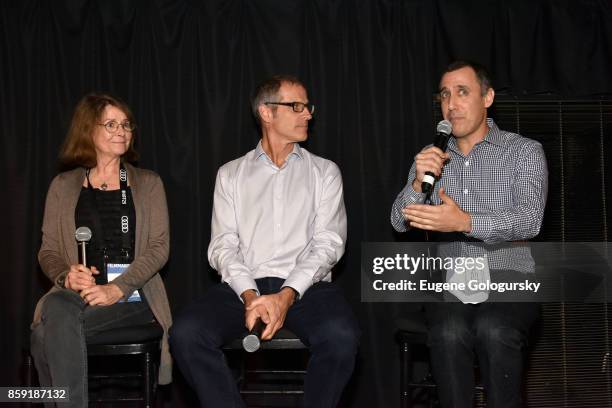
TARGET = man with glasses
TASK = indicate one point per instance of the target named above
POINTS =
(278, 228)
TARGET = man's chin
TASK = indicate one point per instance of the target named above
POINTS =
(458, 129)
(301, 137)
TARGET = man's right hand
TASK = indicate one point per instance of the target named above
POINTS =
(251, 315)
(80, 277)
(271, 309)
(430, 159)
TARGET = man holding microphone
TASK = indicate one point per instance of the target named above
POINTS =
(491, 187)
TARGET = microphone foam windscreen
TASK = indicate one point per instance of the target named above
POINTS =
(83, 234)
(444, 126)
(251, 343)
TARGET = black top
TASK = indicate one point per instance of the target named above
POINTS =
(109, 242)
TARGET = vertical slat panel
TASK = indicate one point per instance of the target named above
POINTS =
(569, 362)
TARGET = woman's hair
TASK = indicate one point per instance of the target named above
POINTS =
(78, 148)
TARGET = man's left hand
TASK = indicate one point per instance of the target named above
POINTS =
(102, 295)
(277, 306)
(446, 217)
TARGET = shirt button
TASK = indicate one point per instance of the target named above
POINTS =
(465, 191)
(467, 163)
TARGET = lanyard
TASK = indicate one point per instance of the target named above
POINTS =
(124, 212)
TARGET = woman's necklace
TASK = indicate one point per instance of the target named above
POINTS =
(104, 184)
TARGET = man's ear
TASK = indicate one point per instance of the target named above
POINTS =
(488, 98)
(265, 113)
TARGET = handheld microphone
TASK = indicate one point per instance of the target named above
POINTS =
(82, 235)
(252, 341)
(443, 132)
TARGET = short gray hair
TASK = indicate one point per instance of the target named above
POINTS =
(267, 91)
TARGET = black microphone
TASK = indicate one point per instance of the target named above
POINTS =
(82, 235)
(252, 341)
(443, 132)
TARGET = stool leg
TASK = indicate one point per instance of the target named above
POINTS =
(28, 372)
(405, 375)
(28, 363)
(148, 378)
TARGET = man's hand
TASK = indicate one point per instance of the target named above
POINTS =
(102, 295)
(80, 277)
(447, 217)
(272, 309)
(430, 159)
(252, 314)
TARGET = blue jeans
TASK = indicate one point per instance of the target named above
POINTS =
(497, 333)
(58, 342)
(322, 319)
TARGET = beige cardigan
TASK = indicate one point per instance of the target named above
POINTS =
(59, 249)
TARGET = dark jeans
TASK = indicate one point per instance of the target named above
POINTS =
(322, 319)
(58, 343)
(497, 332)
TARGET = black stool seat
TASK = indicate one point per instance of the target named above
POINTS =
(284, 339)
(131, 335)
(412, 329)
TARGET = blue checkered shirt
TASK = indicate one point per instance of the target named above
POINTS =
(502, 183)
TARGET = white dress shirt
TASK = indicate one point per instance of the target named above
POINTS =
(287, 222)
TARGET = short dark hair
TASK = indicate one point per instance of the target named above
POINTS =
(483, 76)
(78, 148)
(267, 91)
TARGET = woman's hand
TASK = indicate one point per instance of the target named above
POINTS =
(80, 277)
(102, 295)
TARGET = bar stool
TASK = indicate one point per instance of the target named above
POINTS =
(142, 341)
(253, 379)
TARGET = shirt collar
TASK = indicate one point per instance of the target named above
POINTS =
(295, 153)
(493, 136)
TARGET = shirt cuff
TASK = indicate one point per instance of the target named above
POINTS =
(297, 294)
(241, 283)
(412, 197)
(481, 226)
(300, 282)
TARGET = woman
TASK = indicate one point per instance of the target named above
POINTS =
(125, 209)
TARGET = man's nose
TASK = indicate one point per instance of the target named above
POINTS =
(451, 102)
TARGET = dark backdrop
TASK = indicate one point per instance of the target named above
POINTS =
(187, 68)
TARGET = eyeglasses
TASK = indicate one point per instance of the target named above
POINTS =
(113, 127)
(297, 107)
